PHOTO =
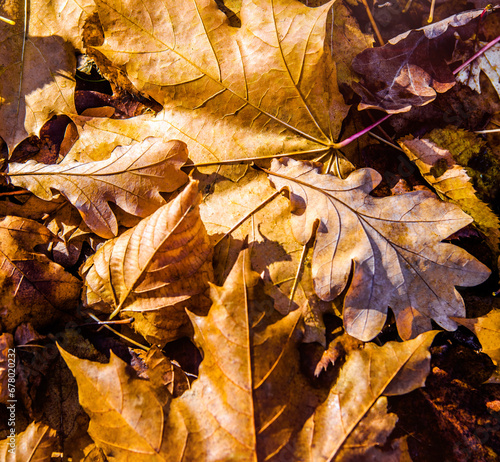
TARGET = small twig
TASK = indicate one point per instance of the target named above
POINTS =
(95, 318)
(297, 275)
(476, 55)
(484, 132)
(383, 140)
(373, 23)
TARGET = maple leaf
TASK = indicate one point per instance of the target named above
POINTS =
(400, 74)
(35, 444)
(245, 405)
(267, 87)
(38, 63)
(131, 177)
(32, 287)
(452, 183)
(393, 242)
(154, 269)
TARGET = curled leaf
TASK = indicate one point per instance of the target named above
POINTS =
(394, 244)
(132, 178)
(154, 269)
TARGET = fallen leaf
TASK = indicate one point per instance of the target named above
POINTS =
(352, 423)
(489, 63)
(154, 270)
(267, 87)
(32, 288)
(35, 444)
(38, 63)
(392, 242)
(132, 178)
(487, 329)
(452, 183)
(400, 74)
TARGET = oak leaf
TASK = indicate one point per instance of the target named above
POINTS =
(267, 87)
(38, 63)
(35, 444)
(153, 270)
(250, 398)
(132, 178)
(32, 287)
(394, 244)
(400, 74)
(452, 183)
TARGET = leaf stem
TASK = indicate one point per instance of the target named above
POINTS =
(360, 133)
(8, 21)
(95, 318)
(14, 193)
(248, 215)
(476, 55)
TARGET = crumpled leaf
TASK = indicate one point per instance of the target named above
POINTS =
(32, 287)
(154, 270)
(38, 70)
(487, 330)
(400, 74)
(452, 183)
(352, 423)
(264, 88)
(393, 243)
(489, 63)
(35, 444)
(132, 178)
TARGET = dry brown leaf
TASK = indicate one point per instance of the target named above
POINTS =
(35, 444)
(38, 62)
(265, 88)
(352, 423)
(487, 330)
(32, 287)
(400, 74)
(154, 270)
(132, 178)
(393, 242)
(6, 353)
(452, 183)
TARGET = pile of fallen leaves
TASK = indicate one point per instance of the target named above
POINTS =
(202, 172)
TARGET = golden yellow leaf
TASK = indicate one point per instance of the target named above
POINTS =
(132, 178)
(32, 288)
(154, 270)
(394, 244)
(452, 183)
(38, 63)
(35, 444)
(265, 88)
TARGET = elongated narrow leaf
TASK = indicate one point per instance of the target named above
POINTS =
(264, 88)
(394, 244)
(131, 177)
(353, 420)
(452, 183)
(154, 269)
(35, 444)
(32, 287)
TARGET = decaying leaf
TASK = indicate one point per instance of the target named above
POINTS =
(6, 346)
(38, 63)
(32, 287)
(250, 397)
(489, 63)
(487, 329)
(452, 183)
(352, 423)
(132, 178)
(35, 444)
(394, 244)
(153, 270)
(400, 74)
(267, 87)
